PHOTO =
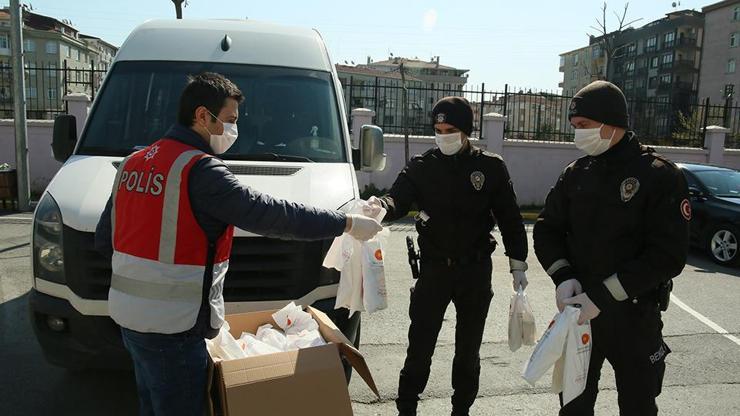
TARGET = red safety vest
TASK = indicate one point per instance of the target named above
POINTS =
(160, 252)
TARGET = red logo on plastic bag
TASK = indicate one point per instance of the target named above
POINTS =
(585, 339)
(290, 322)
(379, 255)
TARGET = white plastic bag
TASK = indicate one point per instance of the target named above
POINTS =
(223, 346)
(577, 356)
(549, 348)
(272, 337)
(293, 319)
(304, 339)
(253, 346)
(522, 328)
(357, 261)
(374, 295)
(567, 346)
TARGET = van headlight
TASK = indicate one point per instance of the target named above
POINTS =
(48, 255)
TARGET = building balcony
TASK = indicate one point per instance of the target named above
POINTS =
(687, 43)
(561, 84)
(685, 65)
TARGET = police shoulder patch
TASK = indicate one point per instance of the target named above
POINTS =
(629, 188)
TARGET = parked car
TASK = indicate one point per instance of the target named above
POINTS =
(715, 205)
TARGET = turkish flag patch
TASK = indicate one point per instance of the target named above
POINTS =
(686, 209)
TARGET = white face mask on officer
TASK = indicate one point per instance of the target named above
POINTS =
(590, 142)
(220, 143)
(449, 144)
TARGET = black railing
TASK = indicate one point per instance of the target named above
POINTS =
(45, 86)
(542, 115)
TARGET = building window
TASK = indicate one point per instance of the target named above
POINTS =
(52, 70)
(653, 82)
(667, 60)
(51, 93)
(668, 39)
(596, 51)
(575, 59)
(651, 44)
(629, 67)
(52, 47)
(734, 40)
(29, 45)
(729, 90)
(31, 92)
(665, 79)
(76, 54)
(654, 62)
(562, 61)
(628, 84)
(631, 49)
(640, 83)
(574, 75)
(736, 14)
(731, 66)
(4, 43)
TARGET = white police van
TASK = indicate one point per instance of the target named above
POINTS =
(293, 143)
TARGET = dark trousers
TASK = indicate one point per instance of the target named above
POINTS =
(469, 287)
(170, 372)
(630, 338)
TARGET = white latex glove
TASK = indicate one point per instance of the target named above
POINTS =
(363, 228)
(519, 279)
(565, 290)
(373, 208)
(589, 310)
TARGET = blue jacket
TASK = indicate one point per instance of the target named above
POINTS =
(219, 199)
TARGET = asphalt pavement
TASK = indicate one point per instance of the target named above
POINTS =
(703, 372)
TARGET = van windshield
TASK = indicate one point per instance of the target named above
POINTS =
(287, 115)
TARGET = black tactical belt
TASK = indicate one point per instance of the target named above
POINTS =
(462, 261)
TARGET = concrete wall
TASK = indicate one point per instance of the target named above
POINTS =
(42, 167)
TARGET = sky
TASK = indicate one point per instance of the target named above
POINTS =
(499, 41)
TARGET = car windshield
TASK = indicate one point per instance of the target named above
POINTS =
(287, 115)
(722, 183)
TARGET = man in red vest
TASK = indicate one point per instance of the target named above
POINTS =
(168, 227)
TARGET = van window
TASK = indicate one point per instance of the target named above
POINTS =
(286, 112)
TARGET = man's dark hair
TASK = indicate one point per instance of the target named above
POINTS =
(207, 89)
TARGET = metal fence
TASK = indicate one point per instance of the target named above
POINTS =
(540, 115)
(46, 85)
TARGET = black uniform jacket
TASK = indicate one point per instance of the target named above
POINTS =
(625, 212)
(464, 196)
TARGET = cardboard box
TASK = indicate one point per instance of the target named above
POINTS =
(304, 382)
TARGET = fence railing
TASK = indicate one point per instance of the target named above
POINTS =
(540, 115)
(45, 86)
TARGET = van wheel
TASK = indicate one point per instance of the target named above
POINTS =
(723, 245)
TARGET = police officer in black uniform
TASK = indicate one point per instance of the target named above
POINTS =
(613, 234)
(461, 192)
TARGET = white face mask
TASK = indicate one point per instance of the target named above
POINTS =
(449, 144)
(590, 142)
(220, 143)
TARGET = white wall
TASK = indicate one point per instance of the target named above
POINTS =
(42, 167)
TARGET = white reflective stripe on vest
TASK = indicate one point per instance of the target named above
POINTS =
(171, 208)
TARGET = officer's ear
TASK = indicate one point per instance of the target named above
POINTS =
(201, 116)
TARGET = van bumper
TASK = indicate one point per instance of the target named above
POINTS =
(95, 341)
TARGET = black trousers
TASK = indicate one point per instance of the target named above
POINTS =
(630, 338)
(469, 287)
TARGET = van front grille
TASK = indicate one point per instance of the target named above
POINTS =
(260, 268)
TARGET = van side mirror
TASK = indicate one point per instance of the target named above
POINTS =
(695, 192)
(64, 138)
(372, 158)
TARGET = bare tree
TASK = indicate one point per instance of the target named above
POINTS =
(608, 39)
(179, 4)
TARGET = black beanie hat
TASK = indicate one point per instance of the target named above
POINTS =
(601, 101)
(455, 111)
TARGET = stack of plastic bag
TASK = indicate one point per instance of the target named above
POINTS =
(522, 328)
(567, 346)
(362, 279)
(297, 330)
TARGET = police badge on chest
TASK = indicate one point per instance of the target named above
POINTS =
(477, 179)
(629, 188)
